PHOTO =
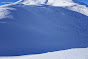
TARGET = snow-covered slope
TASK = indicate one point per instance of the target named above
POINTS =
(81, 53)
(40, 26)
(49, 2)
(69, 4)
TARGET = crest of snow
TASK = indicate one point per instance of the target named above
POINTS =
(79, 8)
(80, 53)
(70, 4)
(48, 2)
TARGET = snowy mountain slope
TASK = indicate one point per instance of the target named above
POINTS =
(34, 29)
(69, 4)
(81, 53)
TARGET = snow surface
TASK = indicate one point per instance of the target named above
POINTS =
(52, 21)
(68, 4)
(5, 13)
(81, 53)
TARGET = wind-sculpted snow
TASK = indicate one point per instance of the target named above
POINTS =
(81, 53)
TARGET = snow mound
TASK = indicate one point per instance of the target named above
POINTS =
(81, 53)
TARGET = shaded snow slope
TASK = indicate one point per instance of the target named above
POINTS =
(46, 25)
(81, 53)
(41, 29)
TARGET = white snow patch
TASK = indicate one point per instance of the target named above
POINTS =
(5, 13)
(79, 8)
(79, 53)
(70, 4)
(33, 2)
(61, 2)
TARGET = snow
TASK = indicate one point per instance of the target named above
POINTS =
(79, 8)
(33, 2)
(81, 53)
(61, 25)
(58, 27)
(69, 4)
(49, 2)
(4, 12)
(61, 2)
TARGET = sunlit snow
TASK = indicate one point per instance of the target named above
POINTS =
(81, 53)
